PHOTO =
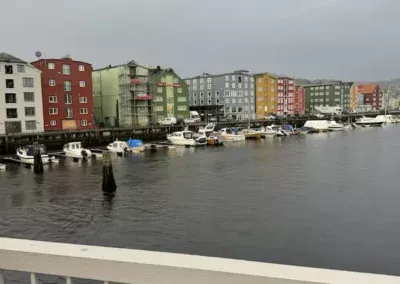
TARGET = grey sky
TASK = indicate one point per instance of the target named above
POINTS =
(338, 39)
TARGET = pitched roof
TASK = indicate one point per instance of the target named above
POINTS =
(367, 88)
(5, 57)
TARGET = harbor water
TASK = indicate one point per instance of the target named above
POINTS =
(327, 200)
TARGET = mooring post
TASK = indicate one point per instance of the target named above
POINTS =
(37, 159)
(108, 174)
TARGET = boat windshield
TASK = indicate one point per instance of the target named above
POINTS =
(188, 135)
(30, 148)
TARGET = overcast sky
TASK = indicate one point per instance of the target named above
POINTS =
(335, 39)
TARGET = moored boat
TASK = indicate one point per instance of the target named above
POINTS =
(135, 145)
(75, 150)
(118, 147)
(267, 132)
(369, 121)
(231, 136)
(25, 154)
(250, 133)
(318, 125)
(215, 139)
(185, 138)
(334, 126)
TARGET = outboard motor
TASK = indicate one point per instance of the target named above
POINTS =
(84, 153)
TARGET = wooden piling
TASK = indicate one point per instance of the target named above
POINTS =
(108, 174)
(37, 159)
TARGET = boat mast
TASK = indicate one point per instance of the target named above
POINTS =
(386, 98)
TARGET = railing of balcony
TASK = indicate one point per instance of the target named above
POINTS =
(138, 266)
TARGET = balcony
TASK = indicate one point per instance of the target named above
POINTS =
(138, 266)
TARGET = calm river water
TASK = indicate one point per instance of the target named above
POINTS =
(325, 200)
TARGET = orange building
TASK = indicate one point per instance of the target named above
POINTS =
(266, 94)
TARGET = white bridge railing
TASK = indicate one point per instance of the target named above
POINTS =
(138, 266)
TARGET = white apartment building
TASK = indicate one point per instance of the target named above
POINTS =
(20, 96)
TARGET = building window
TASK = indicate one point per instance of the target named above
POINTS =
(201, 95)
(66, 69)
(208, 80)
(51, 66)
(53, 111)
(226, 77)
(201, 87)
(227, 101)
(209, 94)
(217, 94)
(226, 85)
(233, 77)
(83, 111)
(182, 108)
(83, 122)
(209, 86)
(11, 98)
(159, 108)
(163, 79)
(233, 85)
(68, 99)
(217, 100)
(179, 90)
(69, 112)
(194, 95)
(82, 84)
(83, 100)
(12, 113)
(52, 82)
(201, 102)
(52, 99)
(201, 80)
(29, 111)
(195, 102)
(233, 93)
(259, 89)
(29, 97)
(194, 87)
(176, 80)
(67, 86)
(81, 68)
(239, 100)
(233, 100)
(159, 89)
(252, 79)
(226, 93)
(30, 125)
(8, 69)
(239, 79)
(158, 99)
(9, 83)
(182, 99)
(21, 68)
(239, 85)
(188, 82)
(246, 93)
(194, 81)
(246, 85)
(27, 82)
(53, 122)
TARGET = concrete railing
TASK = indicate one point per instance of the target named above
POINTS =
(138, 266)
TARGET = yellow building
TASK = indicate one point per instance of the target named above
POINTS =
(353, 97)
(266, 95)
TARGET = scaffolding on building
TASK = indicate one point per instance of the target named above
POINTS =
(136, 103)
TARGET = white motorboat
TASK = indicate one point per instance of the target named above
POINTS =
(387, 119)
(183, 138)
(334, 126)
(25, 154)
(118, 147)
(207, 129)
(317, 125)
(347, 127)
(231, 136)
(75, 150)
(369, 121)
(268, 131)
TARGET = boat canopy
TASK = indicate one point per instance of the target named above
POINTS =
(132, 143)
(287, 127)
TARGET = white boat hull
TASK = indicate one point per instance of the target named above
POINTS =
(30, 160)
(336, 128)
(181, 141)
(78, 155)
(234, 138)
